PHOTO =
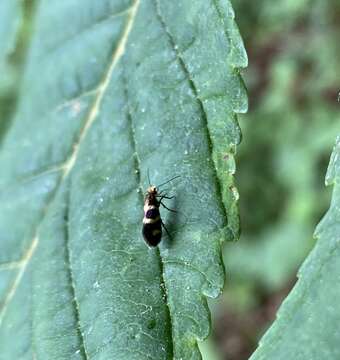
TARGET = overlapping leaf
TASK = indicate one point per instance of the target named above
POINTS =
(307, 323)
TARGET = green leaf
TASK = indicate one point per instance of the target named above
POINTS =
(307, 326)
(112, 89)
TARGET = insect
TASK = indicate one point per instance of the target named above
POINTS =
(152, 221)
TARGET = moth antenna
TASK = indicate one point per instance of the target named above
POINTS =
(148, 174)
(175, 177)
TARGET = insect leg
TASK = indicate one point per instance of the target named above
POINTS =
(172, 210)
(166, 230)
(148, 174)
(164, 197)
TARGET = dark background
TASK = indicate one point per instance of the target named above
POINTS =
(288, 134)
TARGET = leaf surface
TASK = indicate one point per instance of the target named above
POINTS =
(307, 322)
(111, 90)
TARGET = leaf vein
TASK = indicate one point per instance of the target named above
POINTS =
(11, 265)
(88, 29)
(68, 165)
(180, 262)
(119, 51)
(10, 294)
(193, 87)
(138, 169)
(71, 277)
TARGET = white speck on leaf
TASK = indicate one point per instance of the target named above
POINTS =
(75, 108)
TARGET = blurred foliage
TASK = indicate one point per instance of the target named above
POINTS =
(288, 134)
(17, 18)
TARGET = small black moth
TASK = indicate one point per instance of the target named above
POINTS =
(152, 221)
